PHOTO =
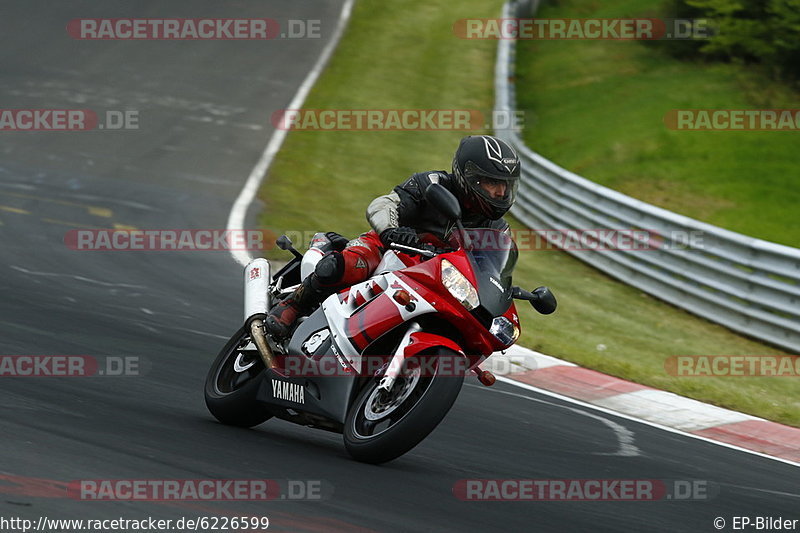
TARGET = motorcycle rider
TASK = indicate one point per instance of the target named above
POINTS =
(484, 179)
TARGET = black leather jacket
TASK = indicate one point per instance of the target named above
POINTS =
(406, 206)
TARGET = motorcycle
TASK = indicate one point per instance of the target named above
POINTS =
(382, 361)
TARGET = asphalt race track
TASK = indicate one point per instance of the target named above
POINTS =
(204, 111)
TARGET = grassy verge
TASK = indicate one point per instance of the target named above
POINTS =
(404, 55)
(597, 108)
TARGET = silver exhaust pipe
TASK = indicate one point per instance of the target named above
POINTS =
(260, 339)
(257, 275)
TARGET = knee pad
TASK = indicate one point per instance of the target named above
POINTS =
(330, 269)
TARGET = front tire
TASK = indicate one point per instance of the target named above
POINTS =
(380, 428)
(233, 382)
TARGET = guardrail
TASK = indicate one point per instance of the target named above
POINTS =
(749, 285)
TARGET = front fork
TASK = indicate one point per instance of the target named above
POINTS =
(396, 364)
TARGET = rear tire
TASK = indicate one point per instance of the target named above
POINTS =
(408, 419)
(233, 382)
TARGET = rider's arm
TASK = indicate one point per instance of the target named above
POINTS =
(383, 213)
(403, 206)
(396, 208)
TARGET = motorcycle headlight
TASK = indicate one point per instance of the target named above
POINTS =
(504, 330)
(459, 286)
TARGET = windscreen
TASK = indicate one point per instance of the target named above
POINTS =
(494, 252)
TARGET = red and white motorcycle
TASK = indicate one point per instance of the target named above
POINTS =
(383, 361)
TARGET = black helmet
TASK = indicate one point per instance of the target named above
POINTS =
(482, 160)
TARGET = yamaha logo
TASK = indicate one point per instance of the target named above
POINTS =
(291, 392)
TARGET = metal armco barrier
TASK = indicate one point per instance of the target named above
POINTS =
(749, 285)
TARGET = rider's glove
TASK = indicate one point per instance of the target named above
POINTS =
(404, 235)
(339, 242)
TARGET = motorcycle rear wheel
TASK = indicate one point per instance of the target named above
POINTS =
(232, 383)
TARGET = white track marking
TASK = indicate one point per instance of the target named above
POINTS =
(672, 410)
(640, 421)
(78, 278)
(627, 447)
(248, 193)
(767, 491)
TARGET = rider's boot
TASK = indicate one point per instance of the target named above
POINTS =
(302, 301)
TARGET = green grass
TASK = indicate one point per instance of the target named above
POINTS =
(597, 108)
(403, 55)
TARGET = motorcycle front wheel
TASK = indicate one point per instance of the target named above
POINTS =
(382, 426)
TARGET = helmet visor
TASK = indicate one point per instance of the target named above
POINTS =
(498, 192)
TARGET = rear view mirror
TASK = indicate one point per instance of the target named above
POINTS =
(544, 301)
(541, 299)
(443, 200)
(284, 242)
